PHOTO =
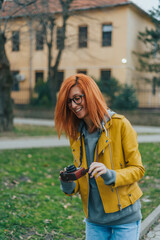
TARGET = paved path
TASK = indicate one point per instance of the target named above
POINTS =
(154, 234)
(45, 142)
(32, 142)
(45, 122)
(31, 121)
(150, 227)
(38, 142)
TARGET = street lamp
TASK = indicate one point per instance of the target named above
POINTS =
(124, 60)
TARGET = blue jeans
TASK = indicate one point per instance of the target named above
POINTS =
(128, 231)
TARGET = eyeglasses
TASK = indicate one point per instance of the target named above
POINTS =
(77, 100)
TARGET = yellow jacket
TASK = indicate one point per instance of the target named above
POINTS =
(118, 150)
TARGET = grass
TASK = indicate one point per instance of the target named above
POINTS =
(150, 184)
(32, 206)
(33, 130)
(30, 130)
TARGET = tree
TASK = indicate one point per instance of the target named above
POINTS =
(1, 2)
(43, 13)
(6, 111)
(46, 24)
(149, 60)
(31, 10)
(6, 79)
(53, 80)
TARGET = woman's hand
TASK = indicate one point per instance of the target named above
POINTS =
(60, 175)
(98, 168)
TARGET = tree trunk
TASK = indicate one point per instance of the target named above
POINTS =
(6, 81)
(53, 85)
(54, 73)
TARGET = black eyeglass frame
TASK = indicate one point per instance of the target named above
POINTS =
(69, 101)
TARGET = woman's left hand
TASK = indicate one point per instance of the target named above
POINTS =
(98, 168)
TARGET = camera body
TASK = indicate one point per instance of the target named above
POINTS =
(72, 173)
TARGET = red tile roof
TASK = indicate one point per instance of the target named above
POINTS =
(10, 8)
(81, 4)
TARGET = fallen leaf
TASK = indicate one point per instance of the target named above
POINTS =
(48, 197)
(47, 221)
(39, 234)
(41, 184)
(46, 165)
(15, 182)
(66, 205)
(14, 197)
(29, 181)
(49, 176)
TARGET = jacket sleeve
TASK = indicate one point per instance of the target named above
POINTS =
(68, 187)
(72, 191)
(133, 169)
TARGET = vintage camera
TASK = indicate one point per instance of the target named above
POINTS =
(72, 173)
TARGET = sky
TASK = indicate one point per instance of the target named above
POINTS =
(146, 4)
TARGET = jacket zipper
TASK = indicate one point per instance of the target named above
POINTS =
(119, 203)
(85, 175)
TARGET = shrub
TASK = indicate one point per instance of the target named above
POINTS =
(43, 92)
(110, 88)
(126, 99)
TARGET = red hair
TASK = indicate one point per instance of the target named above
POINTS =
(65, 119)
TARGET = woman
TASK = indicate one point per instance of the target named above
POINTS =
(106, 143)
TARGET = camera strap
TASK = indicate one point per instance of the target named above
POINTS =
(81, 149)
(97, 152)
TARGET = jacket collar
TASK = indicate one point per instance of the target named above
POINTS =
(103, 141)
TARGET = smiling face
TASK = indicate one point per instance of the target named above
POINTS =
(80, 110)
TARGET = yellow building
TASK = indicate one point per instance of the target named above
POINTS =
(100, 42)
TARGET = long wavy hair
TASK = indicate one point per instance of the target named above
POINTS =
(65, 120)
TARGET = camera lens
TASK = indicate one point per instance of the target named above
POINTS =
(71, 168)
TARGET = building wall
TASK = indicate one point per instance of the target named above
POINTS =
(95, 57)
(19, 60)
(126, 22)
(138, 22)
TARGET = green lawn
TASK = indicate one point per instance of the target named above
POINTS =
(32, 206)
(30, 130)
(33, 130)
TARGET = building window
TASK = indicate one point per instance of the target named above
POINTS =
(15, 86)
(60, 42)
(60, 77)
(154, 84)
(83, 36)
(82, 71)
(15, 41)
(106, 35)
(105, 76)
(39, 40)
(39, 77)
